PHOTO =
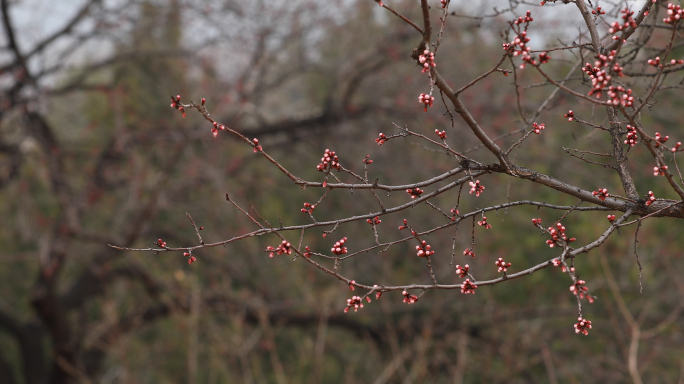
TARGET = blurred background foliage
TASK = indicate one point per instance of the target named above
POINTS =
(92, 155)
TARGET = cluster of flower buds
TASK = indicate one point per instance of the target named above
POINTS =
(381, 139)
(660, 139)
(570, 115)
(543, 58)
(441, 134)
(518, 47)
(444, 3)
(484, 223)
(328, 162)
(628, 22)
(537, 128)
(176, 104)
(582, 326)
(602, 193)
(355, 302)
(454, 213)
(426, 100)
(308, 208)
(339, 248)
(654, 62)
(375, 221)
(651, 198)
(610, 218)
(191, 259)
(620, 95)
(257, 147)
(307, 252)
(659, 171)
(408, 298)
(524, 19)
(468, 287)
(519, 44)
(557, 234)
(632, 138)
(218, 127)
(598, 11)
(401, 227)
(414, 192)
(427, 60)
(558, 263)
(423, 250)
(503, 266)
(476, 188)
(600, 79)
(578, 289)
(367, 160)
(161, 243)
(284, 248)
(462, 271)
(529, 59)
(674, 13)
(469, 252)
(676, 147)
